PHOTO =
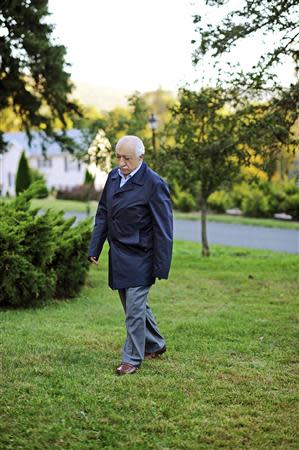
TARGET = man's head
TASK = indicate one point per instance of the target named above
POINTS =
(129, 152)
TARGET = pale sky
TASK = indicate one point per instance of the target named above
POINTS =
(137, 44)
(126, 44)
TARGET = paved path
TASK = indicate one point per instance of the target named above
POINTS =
(240, 235)
(276, 239)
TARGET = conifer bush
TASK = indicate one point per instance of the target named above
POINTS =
(23, 178)
(41, 254)
(70, 261)
(36, 175)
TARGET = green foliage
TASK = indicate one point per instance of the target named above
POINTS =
(31, 246)
(291, 205)
(265, 198)
(205, 147)
(276, 19)
(34, 80)
(205, 141)
(238, 193)
(219, 201)
(70, 261)
(133, 119)
(182, 200)
(89, 178)
(255, 204)
(35, 175)
(139, 115)
(269, 129)
(23, 177)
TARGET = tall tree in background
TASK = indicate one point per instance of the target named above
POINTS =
(273, 27)
(206, 150)
(23, 178)
(33, 76)
(213, 140)
(277, 21)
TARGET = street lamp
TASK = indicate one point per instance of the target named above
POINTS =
(153, 124)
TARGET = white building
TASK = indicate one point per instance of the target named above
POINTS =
(60, 168)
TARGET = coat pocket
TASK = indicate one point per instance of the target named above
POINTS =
(129, 239)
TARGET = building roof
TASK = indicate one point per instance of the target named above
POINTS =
(40, 141)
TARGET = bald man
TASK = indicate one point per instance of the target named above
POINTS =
(135, 216)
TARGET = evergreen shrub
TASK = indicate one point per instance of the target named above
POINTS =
(70, 262)
(41, 254)
(35, 175)
(23, 178)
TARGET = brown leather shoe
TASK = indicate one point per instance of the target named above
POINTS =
(156, 354)
(126, 369)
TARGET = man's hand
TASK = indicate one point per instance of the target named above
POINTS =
(93, 260)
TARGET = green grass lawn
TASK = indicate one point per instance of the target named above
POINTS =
(69, 205)
(228, 379)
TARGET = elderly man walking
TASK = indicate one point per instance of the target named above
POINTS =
(135, 215)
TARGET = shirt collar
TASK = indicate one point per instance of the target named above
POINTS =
(130, 174)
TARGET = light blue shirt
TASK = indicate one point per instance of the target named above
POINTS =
(124, 179)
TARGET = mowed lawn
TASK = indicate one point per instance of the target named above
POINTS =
(228, 379)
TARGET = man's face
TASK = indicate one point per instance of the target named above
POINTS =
(127, 158)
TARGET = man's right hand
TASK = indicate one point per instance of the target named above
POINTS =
(93, 260)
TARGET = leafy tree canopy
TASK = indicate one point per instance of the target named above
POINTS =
(277, 21)
(34, 80)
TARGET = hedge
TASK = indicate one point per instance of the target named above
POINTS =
(41, 254)
(259, 199)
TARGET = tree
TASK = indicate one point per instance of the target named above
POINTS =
(23, 179)
(276, 21)
(206, 149)
(34, 81)
(213, 140)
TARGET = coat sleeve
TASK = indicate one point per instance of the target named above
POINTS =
(100, 229)
(160, 206)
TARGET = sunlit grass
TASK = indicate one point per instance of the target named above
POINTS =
(228, 379)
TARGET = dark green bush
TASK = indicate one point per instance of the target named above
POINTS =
(70, 261)
(291, 205)
(42, 192)
(89, 178)
(23, 179)
(41, 254)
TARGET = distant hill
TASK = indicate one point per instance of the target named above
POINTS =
(103, 98)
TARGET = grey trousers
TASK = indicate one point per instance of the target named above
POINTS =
(143, 334)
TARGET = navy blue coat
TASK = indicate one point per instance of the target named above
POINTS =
(137, 221)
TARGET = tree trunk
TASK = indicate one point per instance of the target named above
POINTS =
(204, 238)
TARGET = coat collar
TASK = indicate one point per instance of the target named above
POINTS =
(138, 178)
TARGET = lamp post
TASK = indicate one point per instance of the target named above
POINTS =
(153, 124)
